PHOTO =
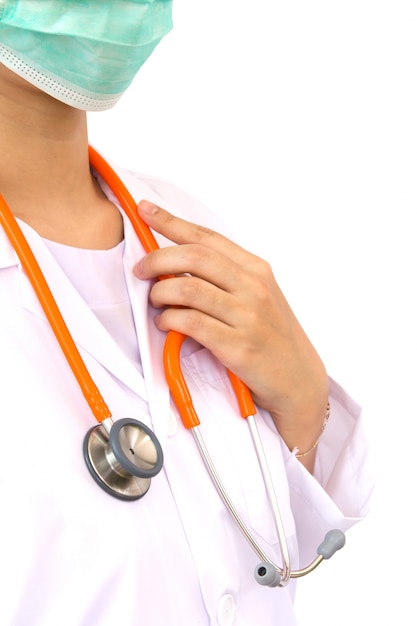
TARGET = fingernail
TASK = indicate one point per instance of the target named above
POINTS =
(146, 207)
(138, 270)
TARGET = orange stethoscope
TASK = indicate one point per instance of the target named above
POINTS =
(124, 455)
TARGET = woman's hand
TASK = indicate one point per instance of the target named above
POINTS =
(228, 300)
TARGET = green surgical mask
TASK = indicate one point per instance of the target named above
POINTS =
(82, 52)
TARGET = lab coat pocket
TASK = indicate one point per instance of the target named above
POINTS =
(228, 439)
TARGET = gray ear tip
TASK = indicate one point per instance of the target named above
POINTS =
(267, 575)
(334, 540)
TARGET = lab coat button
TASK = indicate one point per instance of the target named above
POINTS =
(172, 423)
(226, 610)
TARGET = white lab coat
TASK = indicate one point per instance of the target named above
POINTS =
(71, 554)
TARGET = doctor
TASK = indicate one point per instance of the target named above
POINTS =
(72, 554)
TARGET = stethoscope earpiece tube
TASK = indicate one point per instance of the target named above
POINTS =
(123, 460)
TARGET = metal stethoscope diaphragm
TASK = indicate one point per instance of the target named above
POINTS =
(123, 457)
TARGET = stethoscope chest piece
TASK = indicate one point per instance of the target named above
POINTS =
(123, 460)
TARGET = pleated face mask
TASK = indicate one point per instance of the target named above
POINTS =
(82, 52)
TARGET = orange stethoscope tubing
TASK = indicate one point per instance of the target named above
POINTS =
(174, 340)
(94, 398)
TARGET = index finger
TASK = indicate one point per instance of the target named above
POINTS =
(181, 231)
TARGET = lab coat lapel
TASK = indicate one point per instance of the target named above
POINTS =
(83, 325)
(151, 340)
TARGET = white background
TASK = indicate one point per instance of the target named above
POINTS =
(297, 122)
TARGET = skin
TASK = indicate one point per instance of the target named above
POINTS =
(225, 298)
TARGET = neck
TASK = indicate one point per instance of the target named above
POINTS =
(44, 169)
